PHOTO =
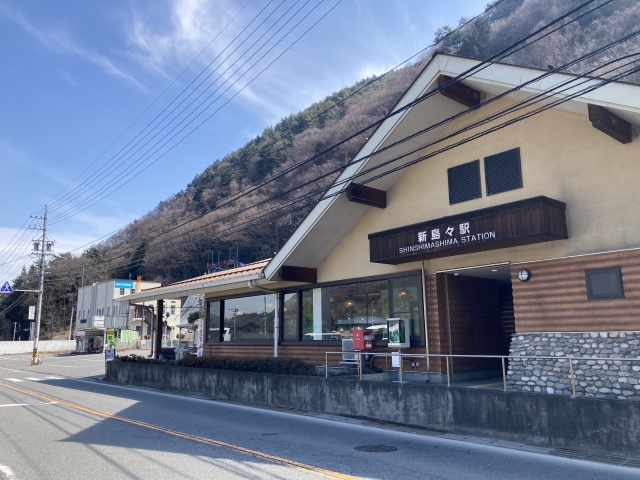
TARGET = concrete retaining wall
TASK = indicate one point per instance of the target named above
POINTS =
(44, 346)
(593, 425)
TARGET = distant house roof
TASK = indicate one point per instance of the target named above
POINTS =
(203, 283)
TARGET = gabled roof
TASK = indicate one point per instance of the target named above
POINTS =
(331, 220)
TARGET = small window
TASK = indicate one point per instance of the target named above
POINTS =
(108, 311)
(464, 182)
(122, 291)
(132, 291)
(503, 172)
(604, 283)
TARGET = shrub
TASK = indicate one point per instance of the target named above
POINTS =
(288, 366)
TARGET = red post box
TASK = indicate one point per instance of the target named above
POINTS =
(362, 340)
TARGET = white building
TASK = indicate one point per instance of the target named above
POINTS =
(103, 305)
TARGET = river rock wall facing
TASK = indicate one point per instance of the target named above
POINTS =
(617, 377)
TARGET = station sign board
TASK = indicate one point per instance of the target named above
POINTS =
(534, 220)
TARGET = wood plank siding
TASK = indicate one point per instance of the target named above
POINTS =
(555, 298)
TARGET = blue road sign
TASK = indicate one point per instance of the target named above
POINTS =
(6, 288)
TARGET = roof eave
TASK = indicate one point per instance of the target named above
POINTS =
(194, 289)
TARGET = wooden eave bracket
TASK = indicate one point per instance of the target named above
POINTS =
(290, 273)
(459, 92)
(609, 123)
(367, 195)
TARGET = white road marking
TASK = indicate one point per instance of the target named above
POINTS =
(7, 472)
(26, 405)
(34, 379)
(13, 379)
(55, 378)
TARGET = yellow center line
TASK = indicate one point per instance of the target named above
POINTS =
(195, 438)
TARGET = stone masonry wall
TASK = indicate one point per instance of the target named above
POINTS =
(614, 379)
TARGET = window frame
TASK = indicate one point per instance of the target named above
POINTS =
(419, 341)
(618, 273)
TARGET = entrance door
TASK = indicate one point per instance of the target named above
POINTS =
(479, 315)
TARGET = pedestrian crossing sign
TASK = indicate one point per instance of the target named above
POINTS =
(6, 288)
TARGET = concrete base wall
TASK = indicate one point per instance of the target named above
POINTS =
(45, 346)
(593, 425)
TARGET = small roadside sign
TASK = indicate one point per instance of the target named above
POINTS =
(6, 288)
(32, 312)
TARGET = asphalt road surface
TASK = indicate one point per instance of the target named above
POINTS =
(59, 420)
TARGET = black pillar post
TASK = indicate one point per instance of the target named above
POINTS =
(158, 328)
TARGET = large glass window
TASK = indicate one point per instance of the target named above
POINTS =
(249, 318)
(213, 322)
(332, 313)
(290, 317)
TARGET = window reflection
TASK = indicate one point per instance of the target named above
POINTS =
(249, 318)
(290, 317)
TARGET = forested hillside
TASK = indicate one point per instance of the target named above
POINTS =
(222, 207)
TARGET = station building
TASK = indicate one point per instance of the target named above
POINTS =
(490, 233)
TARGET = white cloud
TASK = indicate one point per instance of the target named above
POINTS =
(192, 26)
(12, 154)
(60, 42)
(66, 76)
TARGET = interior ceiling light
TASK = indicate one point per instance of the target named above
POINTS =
(494, 270)
(403, 293)
(349, 303)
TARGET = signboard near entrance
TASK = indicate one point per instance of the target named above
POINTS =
(535, 220)
(110, 345)
(127, 284)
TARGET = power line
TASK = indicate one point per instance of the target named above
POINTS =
(358, 90)
(570, 63)
(66, 215)
(386, 148)
(589, 2)
(94, 175)
(155, 101)
(488, 131)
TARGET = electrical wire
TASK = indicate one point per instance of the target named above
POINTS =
(491, 130)
(440, 123)
(67, 199)
(66, 215)
(352, 94)
(156, 100)
(482, 65)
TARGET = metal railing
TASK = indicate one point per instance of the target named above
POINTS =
(449, 362)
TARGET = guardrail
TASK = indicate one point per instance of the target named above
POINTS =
(449, 360)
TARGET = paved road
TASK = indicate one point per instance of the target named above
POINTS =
(59, 421)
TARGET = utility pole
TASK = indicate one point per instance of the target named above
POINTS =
(71, 322)
(14, 331)
(35, 359)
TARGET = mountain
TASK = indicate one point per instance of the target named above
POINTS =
(220, 204)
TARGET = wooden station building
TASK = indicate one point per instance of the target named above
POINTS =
(481, 240)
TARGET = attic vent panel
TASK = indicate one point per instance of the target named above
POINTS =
(503, 171)
(464, 182)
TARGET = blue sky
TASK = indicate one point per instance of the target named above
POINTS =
(75, 75)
